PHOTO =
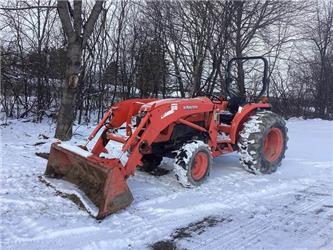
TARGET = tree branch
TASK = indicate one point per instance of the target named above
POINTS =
(65, 18)
(89, 25)
(77, 17)
(28, 7)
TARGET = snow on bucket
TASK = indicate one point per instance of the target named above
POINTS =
(100, 179)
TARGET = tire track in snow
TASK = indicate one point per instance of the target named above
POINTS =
(132, 220)
(81, 236)
(256, 234)
(137, 223)
(231, 239)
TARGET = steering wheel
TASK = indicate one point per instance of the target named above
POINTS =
(215, 98)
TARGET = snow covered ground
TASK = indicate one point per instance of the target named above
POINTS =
(292, 208)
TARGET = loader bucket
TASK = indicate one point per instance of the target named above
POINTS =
(100, 179)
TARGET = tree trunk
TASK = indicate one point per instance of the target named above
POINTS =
(66, 112)
(77, 36)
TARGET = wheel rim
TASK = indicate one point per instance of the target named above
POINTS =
(273, 144)
(200, 166)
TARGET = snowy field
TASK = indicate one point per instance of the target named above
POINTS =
(290, 209)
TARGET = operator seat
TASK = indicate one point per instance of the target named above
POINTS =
(233, 104)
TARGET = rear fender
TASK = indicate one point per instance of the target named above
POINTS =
(242, 116)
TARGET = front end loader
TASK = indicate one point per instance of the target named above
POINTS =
(192, 131)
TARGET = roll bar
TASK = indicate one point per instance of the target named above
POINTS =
(265, 79)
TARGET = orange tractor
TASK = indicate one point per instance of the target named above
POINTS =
(192, 131)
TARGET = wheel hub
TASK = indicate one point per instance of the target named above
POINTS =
(273, 144)
(200, 166)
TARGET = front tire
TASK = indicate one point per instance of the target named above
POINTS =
(193, 163)
(262, 142)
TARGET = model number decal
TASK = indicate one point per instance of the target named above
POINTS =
(190, 107)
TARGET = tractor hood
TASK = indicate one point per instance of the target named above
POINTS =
(187, 103)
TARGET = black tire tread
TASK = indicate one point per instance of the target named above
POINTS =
(183, 160)
(251, 138)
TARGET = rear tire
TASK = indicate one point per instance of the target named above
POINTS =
(193, 163)
(262, 142)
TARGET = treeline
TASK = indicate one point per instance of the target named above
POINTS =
(168, 49)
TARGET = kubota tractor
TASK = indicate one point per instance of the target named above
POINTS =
(191, 130)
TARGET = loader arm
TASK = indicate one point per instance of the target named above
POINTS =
(156, 119)
(118, 114)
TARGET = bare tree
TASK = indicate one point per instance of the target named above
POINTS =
(250, 18)
(30, 28)
(314, 68)
(159, 48)
(321, 35)
(77, 35)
